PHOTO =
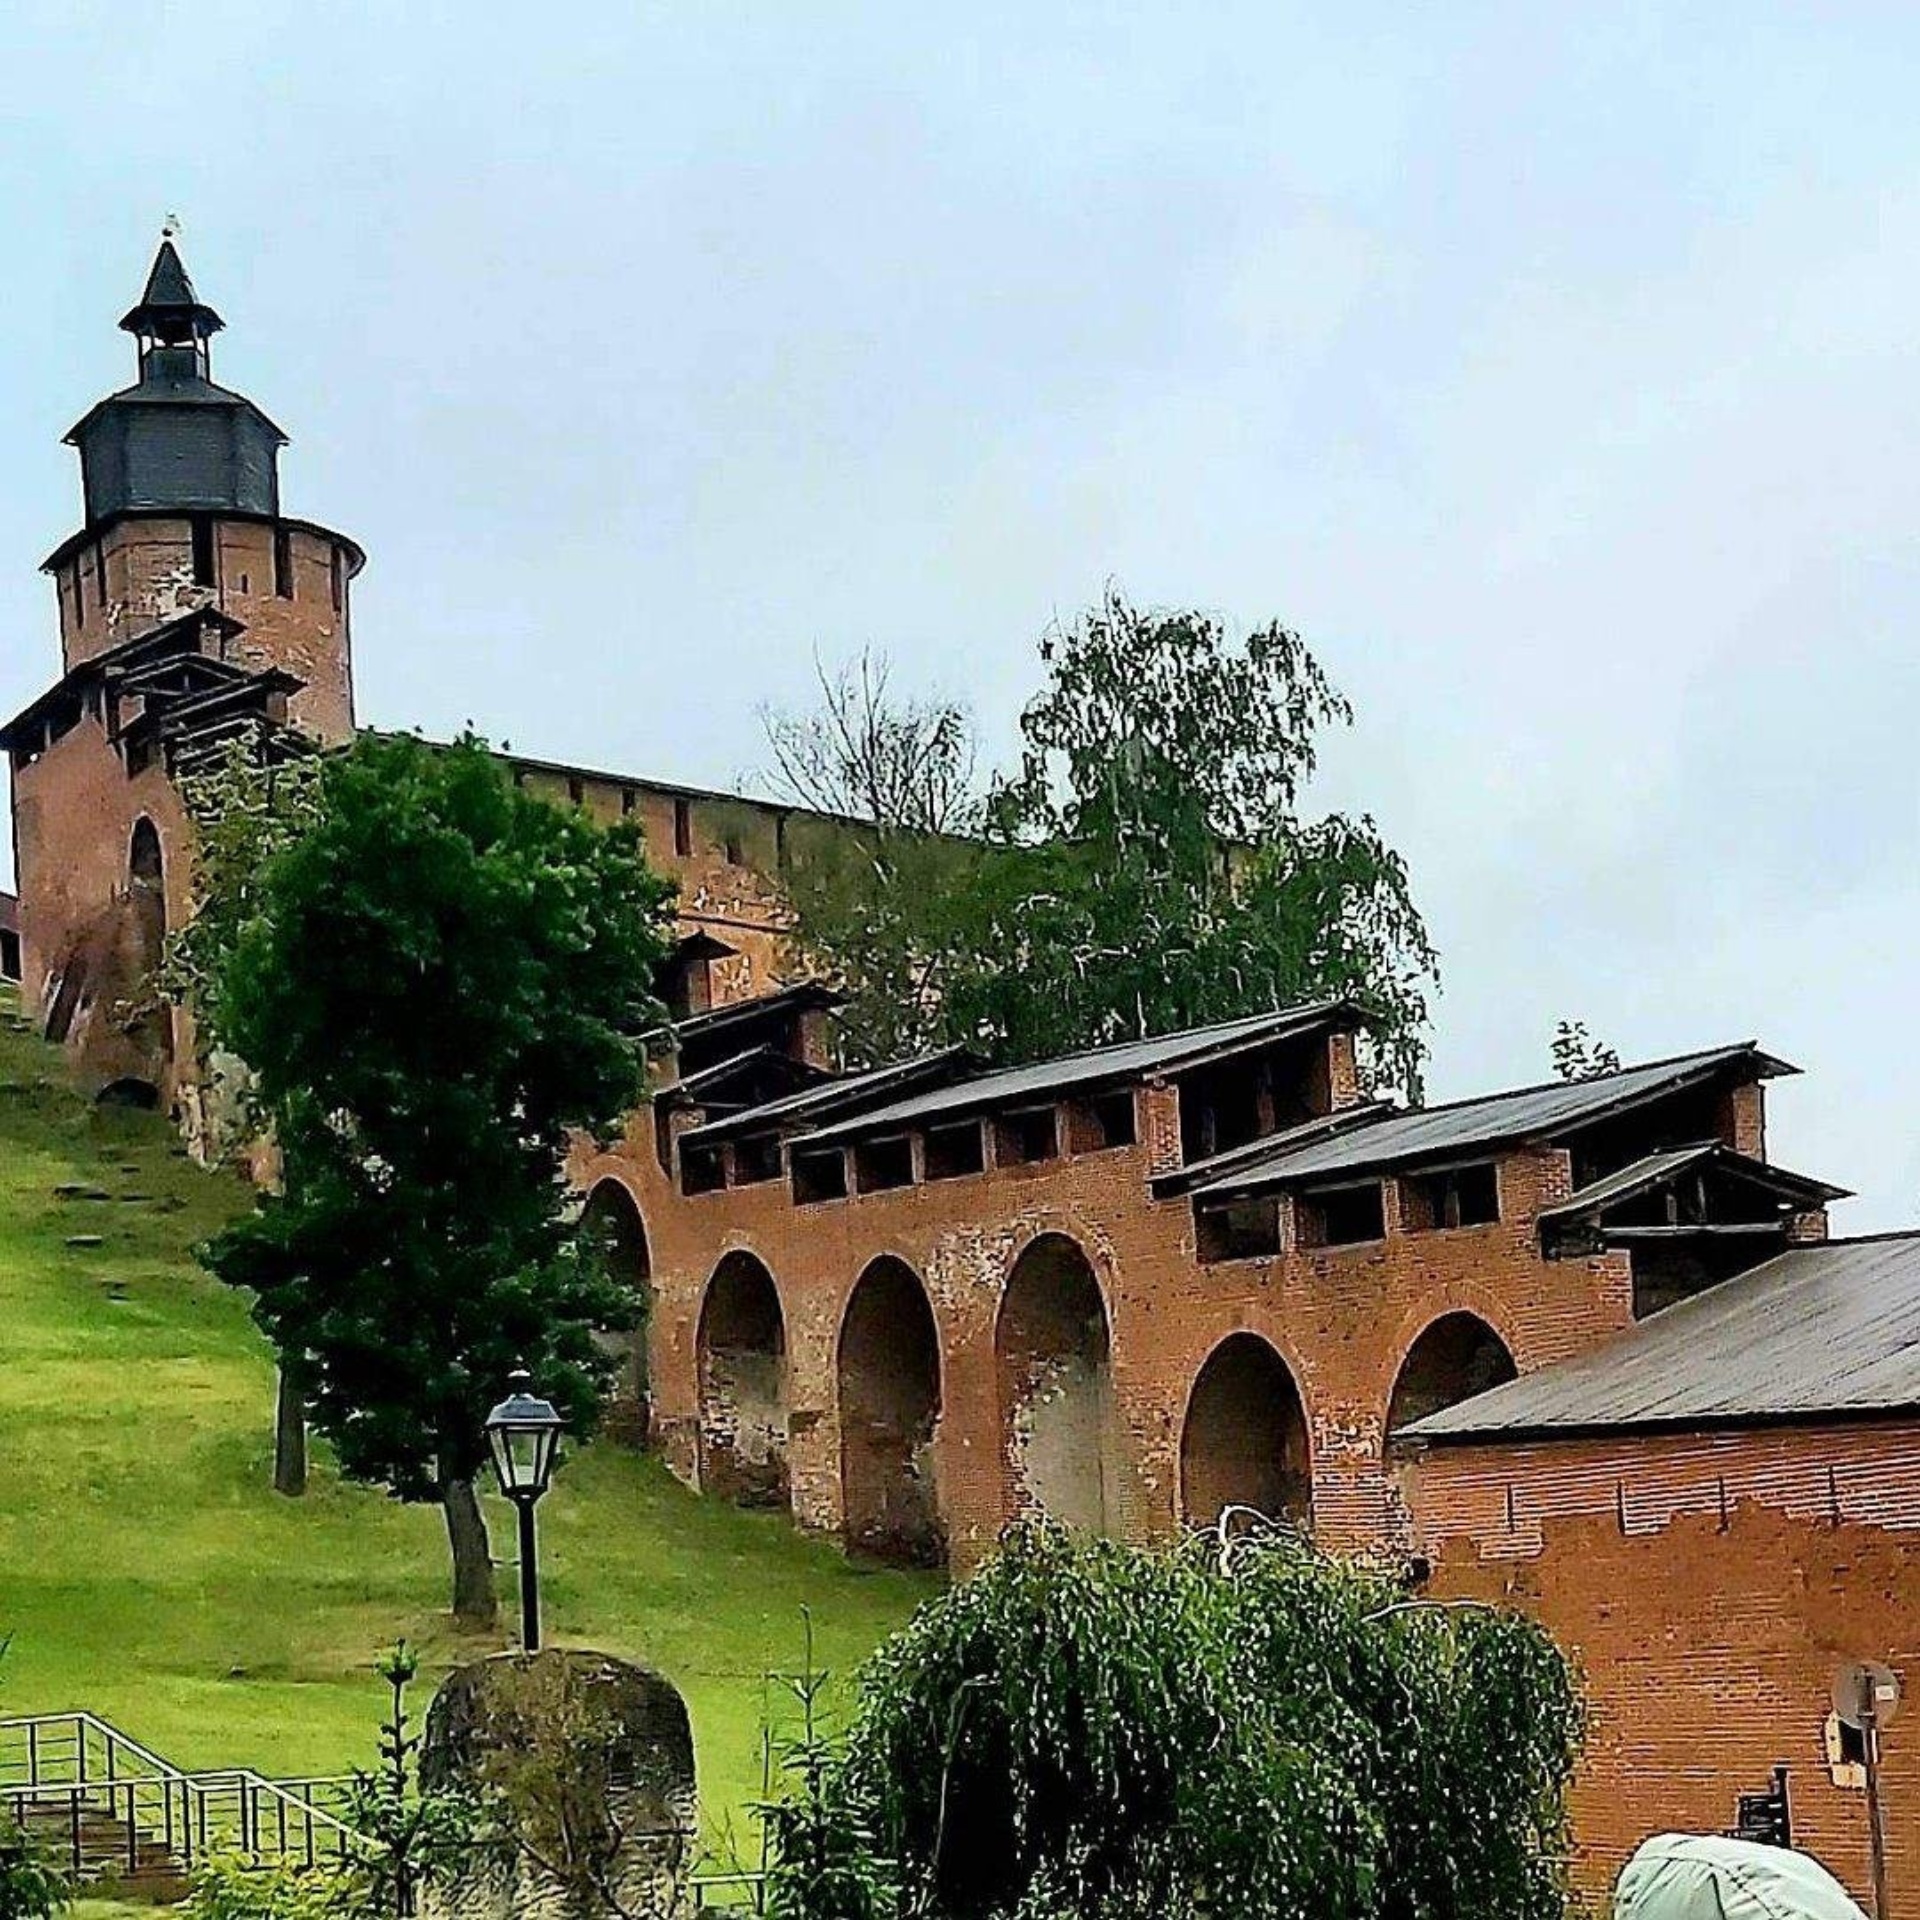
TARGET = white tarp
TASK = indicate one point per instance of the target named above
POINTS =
(1688, 1876)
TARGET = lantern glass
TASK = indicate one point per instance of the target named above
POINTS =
(523, 1434)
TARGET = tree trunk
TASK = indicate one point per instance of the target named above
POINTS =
(289, 1435)
(474, 1604)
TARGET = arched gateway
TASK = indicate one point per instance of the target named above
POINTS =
(889, 1381)
(1052, 1358)
(1245, 1440)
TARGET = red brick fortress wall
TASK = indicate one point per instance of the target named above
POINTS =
(86, 920)
(1339, 1322)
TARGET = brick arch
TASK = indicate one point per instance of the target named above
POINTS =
(1456, 1355)
(1038, 1222)
(610, 1215)
(152, 1029)
(1459, 1296)
(888, 1379)
(1246, 1438)
(612, 1208)
(146, 860)
(741, 1376)
(1053, 1365)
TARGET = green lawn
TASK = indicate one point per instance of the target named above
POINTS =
(149, 1573)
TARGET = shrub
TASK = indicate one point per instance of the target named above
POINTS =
(32, 1887)
(1249, 1730)
(225, 1887)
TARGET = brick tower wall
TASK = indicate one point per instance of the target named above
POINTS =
(140, 572)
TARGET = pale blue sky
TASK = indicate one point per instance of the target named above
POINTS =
(1553, 369)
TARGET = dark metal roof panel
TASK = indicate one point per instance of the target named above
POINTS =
(1632, 1179)
(697, 1087)
(168, 290)
(732, 1013)
(1428, 1133)
(1659, 1167)
(1817, 1331)
(1256, 1153)
(797, 1111)
(1127, 1060)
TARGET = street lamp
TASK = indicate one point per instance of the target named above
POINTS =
(524, 1435)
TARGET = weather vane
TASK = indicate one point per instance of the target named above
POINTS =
(170, 227)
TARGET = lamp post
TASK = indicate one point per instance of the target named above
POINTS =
(523, 1434)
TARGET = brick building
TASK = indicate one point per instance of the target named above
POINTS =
(1712, 1512)
(1131, 1288)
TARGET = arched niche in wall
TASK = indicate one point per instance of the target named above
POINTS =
(741, 1357)
(152, 1022)
(1245, 1441)
(611, 1219)
(1457, 1356)
(889, 1392)
(1053, 1361)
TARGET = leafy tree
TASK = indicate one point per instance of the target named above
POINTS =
(1577, 1055)
(245, 809)
(1146, 866)
(1245, 1731)
(439, 986)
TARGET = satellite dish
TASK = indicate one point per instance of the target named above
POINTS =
(1865, 1690)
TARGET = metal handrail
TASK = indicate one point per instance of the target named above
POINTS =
(76, 1763)
(747, 1881)
(90, 1765)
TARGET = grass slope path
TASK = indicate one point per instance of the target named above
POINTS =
(149, 1572)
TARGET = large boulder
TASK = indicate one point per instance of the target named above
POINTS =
(588, 1763)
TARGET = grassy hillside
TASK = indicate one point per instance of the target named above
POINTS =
(148, 1572)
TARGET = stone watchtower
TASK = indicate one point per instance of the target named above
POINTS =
(192, 612)
(181, 481)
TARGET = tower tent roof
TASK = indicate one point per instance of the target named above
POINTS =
(169, 308)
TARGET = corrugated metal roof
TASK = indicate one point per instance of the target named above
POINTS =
(731, 1013)
(803, 1109)
(696, 1088)
(1657, 1168)
(1215, 1166)
(1831, 1329)
(1127, 1060)
(1632, 1179)
(1429, 1133)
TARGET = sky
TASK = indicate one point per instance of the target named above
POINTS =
(1551, 369)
